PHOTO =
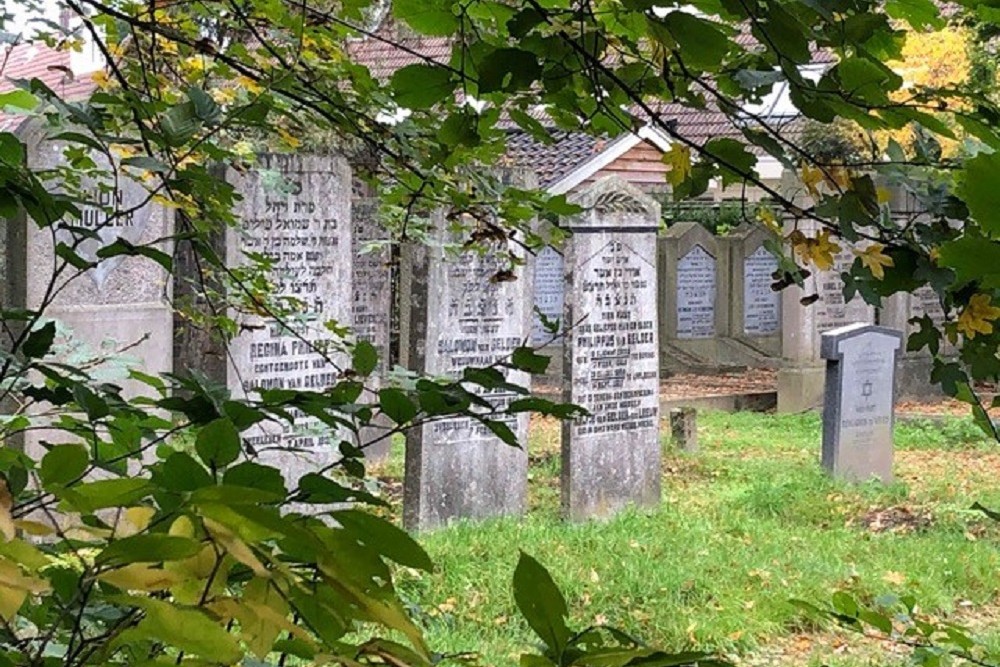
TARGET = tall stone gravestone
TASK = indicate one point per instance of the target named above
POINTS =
(800, 379)
(692, 280)
(118, 311)
(371, 309)
(898, 311)
(859, 400)
(612, 457)
(455, 315)
(295, 210)
(755, 315)
(549, 297)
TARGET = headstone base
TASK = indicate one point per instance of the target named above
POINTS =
(800, 388)
(684, 429)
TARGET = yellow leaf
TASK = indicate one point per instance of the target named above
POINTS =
(36, 528)
(250, 85)
(288, 139)
(235, 547)
(182, 527)
(838, 177)
(767, 217)
(11, 577)
(678, 158)
(101, 78)
(875, 260)
(269, 614)
(811, 178)
(11, 600)
(819, 251)
(884, 195)
(7, 528)
(978, 316)
(141, 577)
(136, 520)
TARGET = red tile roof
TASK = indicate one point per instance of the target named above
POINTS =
(35, 60)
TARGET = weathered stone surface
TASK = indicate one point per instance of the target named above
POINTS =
(455, 316)
(696, 294)
(800, 380)
(550, 291)
(117, 313)
(684, 429)
(296, 209)
(371, 310)
(859, 401)
(612, 458)
(761, 304)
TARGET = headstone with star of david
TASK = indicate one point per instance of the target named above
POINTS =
(858, 409)
(611, 458)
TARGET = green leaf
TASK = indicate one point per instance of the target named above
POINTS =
(430, 17)
(541, 603)
(920, 14)
(71, 257)
(399, 407)
(783, 34)
(845, 604)
(421, 86)
(508, 69)
(364, 357)
(180, 472)
(205, 107)
(18, 99)
(526, 359)
(188, 630)
(11, 149)
(702, 45)
(105, 493)
(315, 488)
(151, 548)
(218, 443)
(255, 476)
(502, 431)
(39, 341)
(95, 406)
(385, 538)
(973, 260)
(980, 189)
(733, 157)
(64, 464)
(147, 163)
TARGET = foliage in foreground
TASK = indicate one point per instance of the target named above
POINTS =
(151, 552)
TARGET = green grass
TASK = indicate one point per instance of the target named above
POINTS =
(745, 525)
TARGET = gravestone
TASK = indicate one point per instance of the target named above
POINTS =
(549, 296)
(295, 210)
(859, 401)
(913, 377)
(455, 316)
(612, 458)
(693, 297)
(696, 294)
(116, 314)
(755, 318)
(801, 378)
(371, 307)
